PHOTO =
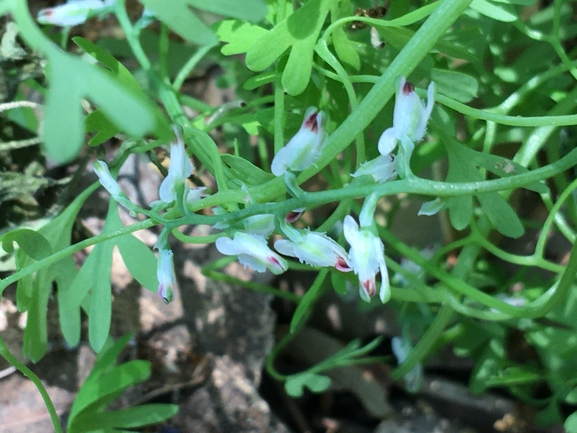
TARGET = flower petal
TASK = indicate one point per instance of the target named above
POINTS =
(387, 141)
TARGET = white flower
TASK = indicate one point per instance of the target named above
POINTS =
(304, 149)
(315, 249)
(367, 257)
(179, 170)
(166, 276)
(106, 179)
(382, 168)
(253, 251)
(72, 13)
(409, 118)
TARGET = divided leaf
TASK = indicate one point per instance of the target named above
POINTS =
(463, 164)
(73, 79)
(31, 242)
(294, 385)
(181, 18)
(33, 292)
(298, 31)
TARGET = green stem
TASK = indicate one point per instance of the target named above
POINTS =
(4, 352)
(189, 66)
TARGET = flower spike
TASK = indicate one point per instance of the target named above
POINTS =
(304, 149)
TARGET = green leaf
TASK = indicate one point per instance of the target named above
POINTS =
(491, 10)
(180, 18)
(315, 382)
(127, 418)
(570, 423)
(117, 69)
(73, 79)
(139, 260)
(572, 396)
(249, 10)
(107, 357)
(517, 2)
(245, 170)
(339, 282)
(32, 243)
(238, 36)
(345, 49)
(35, 336)
(34, 291)
(99, 123)
(300, 30)
(518, 375)
(460, 208)
(259, 80)
(462, 168)
(501, 214)
(504, 167)
(456, 85)
(100, 313)
(102, 390)
(94, 278)
(70, 320)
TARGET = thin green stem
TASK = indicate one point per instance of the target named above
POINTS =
(163, 46)
(189, 66)
(5, 353)
(279, 114)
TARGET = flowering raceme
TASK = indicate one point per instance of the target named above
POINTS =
(304, 149)
(253, 251)
(367, 258)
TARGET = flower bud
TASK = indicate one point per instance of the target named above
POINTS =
(304, 149)
(410, 116)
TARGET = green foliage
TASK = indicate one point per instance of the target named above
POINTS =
(105, 384)
(504, 73)
(91, 292)
(187, 24)
(295, 383)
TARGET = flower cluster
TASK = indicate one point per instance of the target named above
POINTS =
(248, 238)
(173, 191)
